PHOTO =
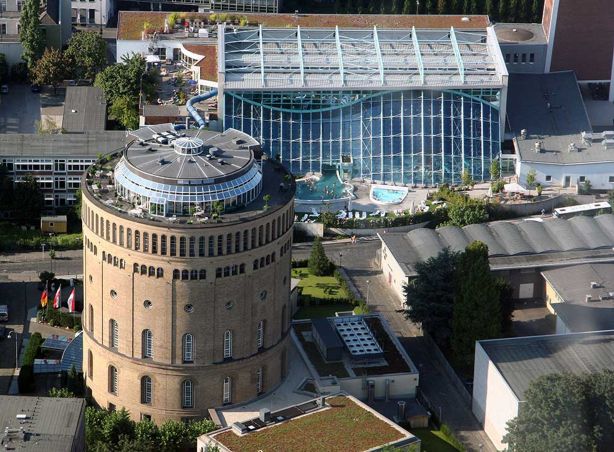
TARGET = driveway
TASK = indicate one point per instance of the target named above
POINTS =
(19, 110)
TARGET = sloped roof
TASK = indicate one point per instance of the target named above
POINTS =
(506, 239)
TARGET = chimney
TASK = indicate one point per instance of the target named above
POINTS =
(401, 410)
(588, 298)
(265, 415)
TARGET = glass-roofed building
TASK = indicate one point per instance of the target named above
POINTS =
(409, 106)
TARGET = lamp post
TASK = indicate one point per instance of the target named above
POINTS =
(340, 256)
(367, 300)
(15, 333)
(417, 7)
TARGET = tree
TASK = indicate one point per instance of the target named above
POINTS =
(468, 211)
(45, 277)
(489, 9)
(531, 178)
(442, 7)
(429, 297)
(407, 7)
(602, 403)
(173, 435)
(319, 265)
(50, 69)
(266, 198)
(536, 11)
(4, 69)
(477, 308)
(539, 189)
(466, 178)
(27, 200)
(116, 425)
(123, 79)
(88, 53)
(6, 189)
(555, 416)
(495, 169)
(30, 33)
(503, 10)
(125, 110)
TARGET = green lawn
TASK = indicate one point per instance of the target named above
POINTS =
(13, 238)
(433, 440)
(321, 287)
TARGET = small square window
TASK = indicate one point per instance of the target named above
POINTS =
(145, 417)
(611, 179)
(548, 178)
(582, 179)
(524, 57)
(531, 58)
(507, 57)
(515, 58)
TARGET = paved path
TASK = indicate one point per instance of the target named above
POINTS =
(359, 263)
(27, 266)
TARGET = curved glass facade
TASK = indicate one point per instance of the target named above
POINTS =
(410, 137)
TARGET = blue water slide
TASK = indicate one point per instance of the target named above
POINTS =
(195, 100)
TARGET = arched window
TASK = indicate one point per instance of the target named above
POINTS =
(201, 246)
(227, 392)
(220, 245)
(152, 271)
(185, 274)
(260, 335)
(260, 235)
(104, 256)
(135, 268)
(108, 231)
(145, 242)
(202, 274)
(113, 334)
(188, 348)
(146, 389)
(192, 248)
(228, 243)
(90, 365)
(254, 238)
(267, 235)
(121, 235)
(193, 274)
(273, 229)
(160, 272)
(173, 245)
(147, 344)
(255, 264)
(241, 269)
(187, 394)
(273, 257)
(122, 263)
(176, 274)
(143, 269)
(210, 252)
(129, 238)
(154, 243)
(245, 239)
(112, 380)
(95, 250)
(115, 261)
(268, 259)
(137, 240)
(182, 246)
(227, 344)
(163, 245)
(262, 262)
(90, 318)
(96, 224)
(114, 237)
(109, 258)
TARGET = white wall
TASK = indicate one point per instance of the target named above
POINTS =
(141, 47)
(393, 274)
(401, 385)
(494, 403)
(597, 173)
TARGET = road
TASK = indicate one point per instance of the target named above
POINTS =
(27, 266)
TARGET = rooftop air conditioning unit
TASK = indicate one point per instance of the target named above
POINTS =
(538, 146)
(595, 285)
(588, 298)
(572, 147)
(265, 415)
(523, 134)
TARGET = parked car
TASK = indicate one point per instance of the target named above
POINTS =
(4, 89)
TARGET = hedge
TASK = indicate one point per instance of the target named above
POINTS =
(55, 317)
(26, 373)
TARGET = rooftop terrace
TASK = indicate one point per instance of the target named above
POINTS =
(130, 23)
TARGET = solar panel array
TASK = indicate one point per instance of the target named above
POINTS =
(357, 336)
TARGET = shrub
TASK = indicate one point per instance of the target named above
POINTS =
(62, 393)
(25, 380)
(55, 317)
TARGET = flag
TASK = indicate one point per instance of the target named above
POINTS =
(44, 298)
(71, 301)
(56, 298)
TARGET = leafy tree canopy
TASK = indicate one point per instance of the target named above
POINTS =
(430, 296)
(88, 52)
(565, 412)
(30, 33)
(51, 69)
(27, 200)
(4, 69)
(319, 265)
(125, 110)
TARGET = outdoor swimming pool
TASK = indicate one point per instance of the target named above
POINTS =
(383, 194)
(328, 186)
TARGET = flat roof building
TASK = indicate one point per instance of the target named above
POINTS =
(518, 250)
(582, 297)
(85, 109)
(504, 369)
(32, 424)
(321, 424)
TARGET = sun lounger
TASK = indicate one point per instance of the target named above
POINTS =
(304, 218)
(374, 214)
(363, 215)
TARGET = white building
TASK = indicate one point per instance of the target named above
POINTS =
(504, 369)
(92, 12)
(553, 135)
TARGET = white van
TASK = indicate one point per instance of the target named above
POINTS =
(4, 313)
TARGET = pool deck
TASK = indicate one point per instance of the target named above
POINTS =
(363, 203)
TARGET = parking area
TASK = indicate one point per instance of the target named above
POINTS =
(20, 109)
(532, 318)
